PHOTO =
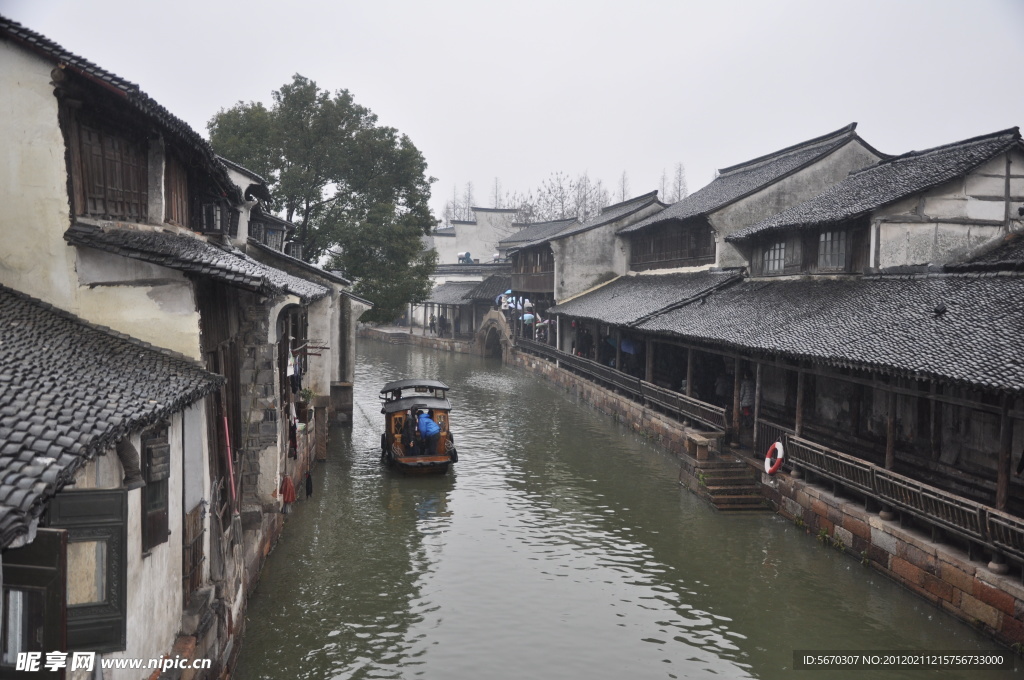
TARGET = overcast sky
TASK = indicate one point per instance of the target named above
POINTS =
(517, 90)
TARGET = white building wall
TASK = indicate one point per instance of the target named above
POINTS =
(146, 301)
(588, 258)
(33, 177)
(792, 190)
(950, 222)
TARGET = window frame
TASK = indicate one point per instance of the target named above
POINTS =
(97, 515)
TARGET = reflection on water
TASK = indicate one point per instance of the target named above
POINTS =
(560, 545)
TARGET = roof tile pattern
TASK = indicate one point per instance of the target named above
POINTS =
(195, 256)
(887, 181)
(452, 293)
(884, 323)
(490, 288)
(628, 299)
(538, 232)
(740, 180)
(69, 390)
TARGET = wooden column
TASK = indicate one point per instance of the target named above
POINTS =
(935, 423)
(890, 433)
(1005, 454)
(689, 371)
(649, 363)
(798, 426)
(736, 398)
(618, 349)
(887, 513)
(757, 405)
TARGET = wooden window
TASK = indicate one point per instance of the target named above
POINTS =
(176, 193)
(34, 601)
(676, 244)
(96, 522)
(156, 467)
(275, 239)
(113, 173)
(775, 258)
(833, 248)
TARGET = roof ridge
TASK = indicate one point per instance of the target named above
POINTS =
(649, 194)
(1015, 131)
(847, 131)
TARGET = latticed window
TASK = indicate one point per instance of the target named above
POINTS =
(832, 249)
(113, 176)
(775, 257)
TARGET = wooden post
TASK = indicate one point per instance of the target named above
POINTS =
(1005, 454)
(890, 433)
(736, 398)
(935, 423)
(757, 405)
(887, 512)
(618, 349)
(798, 426)
(689, 371)
(649, 367)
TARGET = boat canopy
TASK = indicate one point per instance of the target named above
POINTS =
(417, 401)
(412, 383)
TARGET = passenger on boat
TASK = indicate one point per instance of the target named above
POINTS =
(429, 431)
(410, 436)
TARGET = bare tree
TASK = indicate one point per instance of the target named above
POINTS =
(496, 196)
(623, 187)
(679, 190)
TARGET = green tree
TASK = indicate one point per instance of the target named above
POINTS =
(345, 181)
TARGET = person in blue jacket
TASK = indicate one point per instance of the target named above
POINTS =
(429, 431)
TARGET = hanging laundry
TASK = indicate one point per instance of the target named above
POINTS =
(287, 492)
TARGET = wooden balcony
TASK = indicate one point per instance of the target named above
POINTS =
(538, 282)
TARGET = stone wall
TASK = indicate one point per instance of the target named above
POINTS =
(940, 573)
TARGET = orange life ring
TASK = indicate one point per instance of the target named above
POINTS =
(772, 465)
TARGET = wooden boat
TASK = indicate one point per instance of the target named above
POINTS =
(400, 444)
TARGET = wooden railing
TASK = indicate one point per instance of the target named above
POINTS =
(673, 403)
(969, 519)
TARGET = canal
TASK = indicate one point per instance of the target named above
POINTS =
(560, 546)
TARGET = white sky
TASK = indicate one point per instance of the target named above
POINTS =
(517, 90)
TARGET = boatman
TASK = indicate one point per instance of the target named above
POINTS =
(429, 431)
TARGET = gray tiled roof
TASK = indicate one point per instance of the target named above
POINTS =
(490, 288)
(612, 213)
(69, 390)
(135, 98)
(535, 232)
(628, 299)
(735, 182)
(884, 323)
(887, 181)
(290, 261)
(452, 293)
(195, 256)
(1008, 256)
